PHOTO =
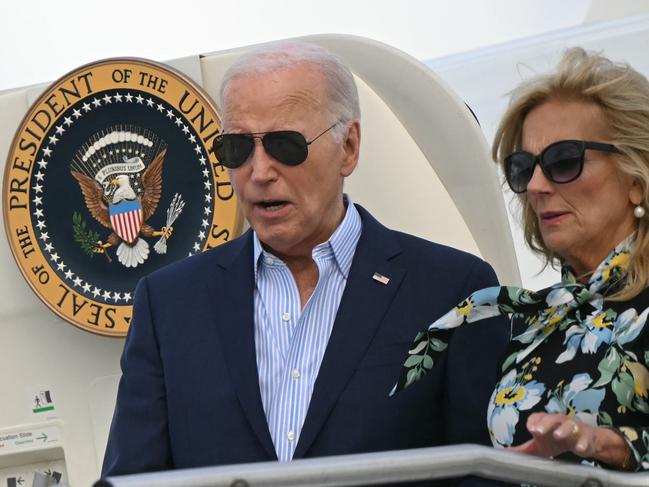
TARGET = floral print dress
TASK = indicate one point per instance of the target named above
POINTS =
(572, 352)
(593, 368)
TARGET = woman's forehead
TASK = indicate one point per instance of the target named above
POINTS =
(563, 120)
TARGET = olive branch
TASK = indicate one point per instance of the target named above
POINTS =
(85, 237)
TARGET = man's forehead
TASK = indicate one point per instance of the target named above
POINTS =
(288, 79)
(282, 91)
(302, 98)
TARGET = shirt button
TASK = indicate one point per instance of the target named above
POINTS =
(290, 435)
(286, 316)
(268, 260)
(295, 374)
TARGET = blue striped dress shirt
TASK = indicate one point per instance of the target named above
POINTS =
(289, 341)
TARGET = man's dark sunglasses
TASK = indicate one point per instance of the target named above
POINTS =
(287, 146)
(561, 162)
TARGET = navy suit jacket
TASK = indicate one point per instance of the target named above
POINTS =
(189, 395)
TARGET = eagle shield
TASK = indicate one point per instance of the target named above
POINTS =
(126, 219)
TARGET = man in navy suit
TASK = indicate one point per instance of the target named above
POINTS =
(285, 342)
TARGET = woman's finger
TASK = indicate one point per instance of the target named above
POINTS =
(568, 430)
(544, 423)
(530, 447)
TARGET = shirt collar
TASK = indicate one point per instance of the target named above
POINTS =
(342, 242)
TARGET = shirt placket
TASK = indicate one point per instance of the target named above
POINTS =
(298, 377)
(282, 323)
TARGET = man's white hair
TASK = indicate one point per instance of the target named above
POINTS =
(341, 89)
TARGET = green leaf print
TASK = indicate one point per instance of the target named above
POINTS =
(640, 405)
(604, 419)
(508, 361)
(511, 294)
(437, 345)
(413, 360)
(427, 362)
(608, 367)
(622, 386)
(413, 376)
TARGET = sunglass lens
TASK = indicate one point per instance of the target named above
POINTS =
(562, 162)
(518, 170)
(286, 146)
(232, 150)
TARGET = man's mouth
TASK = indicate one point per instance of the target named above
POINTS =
(272, 205)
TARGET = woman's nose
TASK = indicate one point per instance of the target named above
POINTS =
(538, 183)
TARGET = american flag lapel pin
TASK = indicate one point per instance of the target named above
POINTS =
(381, 278)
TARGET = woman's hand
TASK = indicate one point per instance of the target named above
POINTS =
(553, 434)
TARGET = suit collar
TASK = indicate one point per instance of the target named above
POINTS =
(364, 303)
(231, 291)
(377, 238)
(230, 253)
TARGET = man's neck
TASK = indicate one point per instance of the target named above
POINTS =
(301, 263)
(305, 272)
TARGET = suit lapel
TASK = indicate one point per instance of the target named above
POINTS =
(235, 287)
(362, 307)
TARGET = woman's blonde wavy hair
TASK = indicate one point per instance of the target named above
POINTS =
(623, 95)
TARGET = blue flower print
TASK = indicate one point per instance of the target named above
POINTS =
(576, 400)
(629, 325)
(596, 329)
(602, 327)
(515, 392)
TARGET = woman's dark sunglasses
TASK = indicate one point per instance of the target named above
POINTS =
(560, 162)
(287, 146)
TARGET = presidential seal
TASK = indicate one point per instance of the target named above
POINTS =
(110, 176)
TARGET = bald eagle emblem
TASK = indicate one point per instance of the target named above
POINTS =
(119, 171)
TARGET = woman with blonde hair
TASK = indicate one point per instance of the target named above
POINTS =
(574, 383)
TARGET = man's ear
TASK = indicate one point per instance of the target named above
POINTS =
(351, 148)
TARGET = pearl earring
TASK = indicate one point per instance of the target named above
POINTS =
(639, 211)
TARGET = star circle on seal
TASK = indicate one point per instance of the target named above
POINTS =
(110, 176)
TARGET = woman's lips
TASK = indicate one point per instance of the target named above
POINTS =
(550, 217)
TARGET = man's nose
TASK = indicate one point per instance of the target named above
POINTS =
(263, 166)
(539, 183)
